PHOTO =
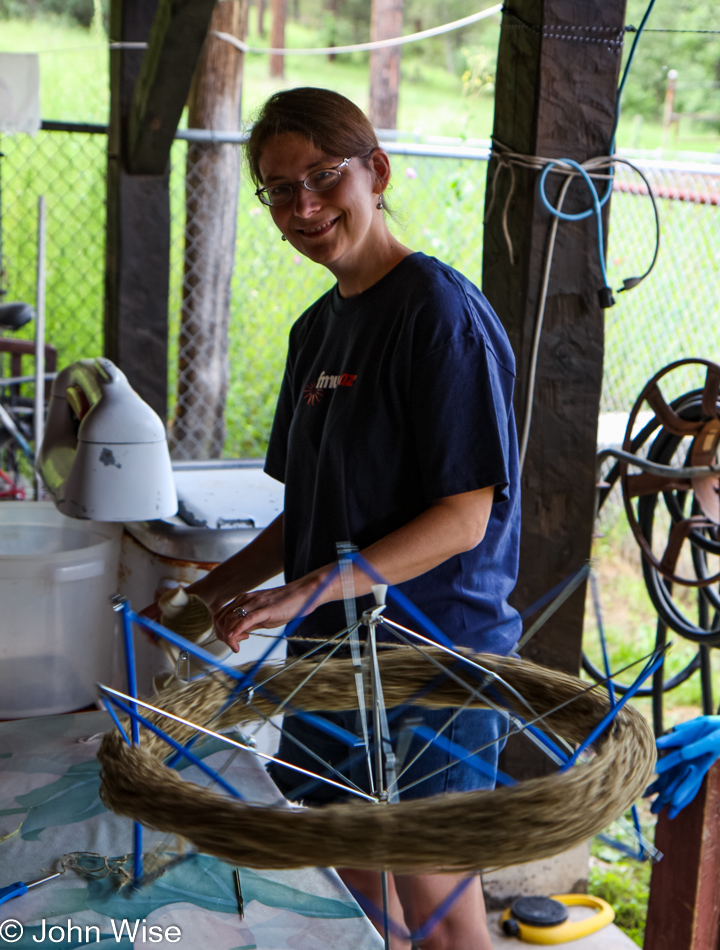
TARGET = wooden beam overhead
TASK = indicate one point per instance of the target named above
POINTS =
(176, 39)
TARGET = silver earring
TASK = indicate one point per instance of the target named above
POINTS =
(283, 238)
(379, 204)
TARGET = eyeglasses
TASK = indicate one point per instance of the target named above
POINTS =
(323, 179)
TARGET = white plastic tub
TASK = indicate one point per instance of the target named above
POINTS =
(56, 623)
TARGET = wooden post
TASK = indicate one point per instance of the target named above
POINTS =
(277, 37)
(138, 228)
(684, 907)
(386, 22)
(555, 97)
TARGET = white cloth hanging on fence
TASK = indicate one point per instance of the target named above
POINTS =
(19, 92)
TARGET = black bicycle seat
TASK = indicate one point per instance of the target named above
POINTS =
(15, 315)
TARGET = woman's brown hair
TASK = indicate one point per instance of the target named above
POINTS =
(332, 123)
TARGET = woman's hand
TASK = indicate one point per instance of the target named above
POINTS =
(262, 609)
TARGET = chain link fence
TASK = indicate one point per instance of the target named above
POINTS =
(437, 200)
(69, 169)
(675, 312)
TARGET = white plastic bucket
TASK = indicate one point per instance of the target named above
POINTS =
(56, 623)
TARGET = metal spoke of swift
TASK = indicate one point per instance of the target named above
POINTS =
(288, 666)
(429, 742)
(232, 742)
(591, 686)
(521, 727)
(495, 677)
(449, 765)
(489, 674)
(279, 708)
(347, 782)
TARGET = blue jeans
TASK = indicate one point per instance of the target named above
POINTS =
(468, 731)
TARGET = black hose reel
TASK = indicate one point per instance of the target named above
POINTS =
(670, 481)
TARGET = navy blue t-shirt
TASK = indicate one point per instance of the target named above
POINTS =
(392, 399)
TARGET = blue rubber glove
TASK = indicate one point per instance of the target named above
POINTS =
(695, 748)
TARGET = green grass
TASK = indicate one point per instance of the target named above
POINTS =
(625, 885)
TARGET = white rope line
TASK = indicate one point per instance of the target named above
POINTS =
(359, 47)
(312, 51)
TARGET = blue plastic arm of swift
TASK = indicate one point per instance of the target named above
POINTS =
(13, 890)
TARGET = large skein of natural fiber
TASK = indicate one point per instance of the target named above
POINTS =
(454, 832)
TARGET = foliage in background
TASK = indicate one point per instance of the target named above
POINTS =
(440, 199)
(79, 11)
(695, 56)
(480, 73)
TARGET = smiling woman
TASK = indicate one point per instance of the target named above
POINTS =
(394, 431)
(340, 226)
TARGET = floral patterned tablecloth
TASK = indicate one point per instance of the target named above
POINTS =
(49, 807)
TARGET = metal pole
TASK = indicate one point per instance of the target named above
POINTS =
(39, 417)
(386, 907)
(385, 777)
(122, 605)
(345, 552)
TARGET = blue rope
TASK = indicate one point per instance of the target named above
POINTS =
(596, 208)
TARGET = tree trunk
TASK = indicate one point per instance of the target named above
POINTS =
(385, 64)
(277, 38)
(211, 197)
(332, 8)
(261, 17)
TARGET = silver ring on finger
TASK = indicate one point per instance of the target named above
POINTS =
(240, 612)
